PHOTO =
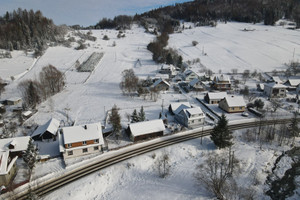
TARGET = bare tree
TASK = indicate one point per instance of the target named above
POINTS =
(216, 174)
(2, 86)
(163, 165)
(115, 121)
(52, 80)
(129, 82)
(246, 75)
(31, 93)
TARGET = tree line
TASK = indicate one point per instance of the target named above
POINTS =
(22, 30)
(50, 82)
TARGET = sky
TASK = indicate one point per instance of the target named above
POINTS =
(84, 12)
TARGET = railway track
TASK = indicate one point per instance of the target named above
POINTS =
(69, 177)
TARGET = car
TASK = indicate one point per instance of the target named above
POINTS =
(244, 114)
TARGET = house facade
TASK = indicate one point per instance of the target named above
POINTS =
(214, 97)
(81, 140)
(274, 90)
(190, 117)
(144, 130)
(8, 167)
(221, 82)
(160, 85)
(233, 104)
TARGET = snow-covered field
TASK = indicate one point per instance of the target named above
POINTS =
(88, 97)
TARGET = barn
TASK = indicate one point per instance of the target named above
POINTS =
(147, 129)
(47, 131)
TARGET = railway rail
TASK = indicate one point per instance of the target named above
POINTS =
(51, 185)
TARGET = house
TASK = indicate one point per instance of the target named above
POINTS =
(189, 75)
(275, 79)
(196, 84)
(175, 108)
(13, 101)
(221, 82)
(15, 145)
(168, 69)
(275, 90)
(147, 129)
(47, 131)
(8, 167)
(292, 84)
(190, 117)
(81, 140)
(233, 104)
(160, 85)
(214, 97)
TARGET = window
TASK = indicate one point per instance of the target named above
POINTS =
(84, 142)
(96, 141)
(241, 108)
(96, 148)
(70, 153)
(69, 145)
(84, 150)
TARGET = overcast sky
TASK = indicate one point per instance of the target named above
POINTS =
(84, 12)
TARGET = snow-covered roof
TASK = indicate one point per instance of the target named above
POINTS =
(83, 133)
(177, 107)
(51, 126)
(27, 113)
(167, 67)
(235, 101)
(19, 143)
(294, 82)
(216, 95)
(275, 85)
(222, 78)
(276, 79)
(4, 159)
(14, 99)
(193, 111)
(160, 81)
(142, 128)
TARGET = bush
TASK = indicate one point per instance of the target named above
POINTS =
(105, 37)
(195, 43)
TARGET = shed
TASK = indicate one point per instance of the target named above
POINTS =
(13, 101)
(46, 131)
(147, 129)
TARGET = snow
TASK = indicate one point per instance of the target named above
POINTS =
(142, 128)
(235, 101)
(20, 143)
(82, 133)
(51, 126)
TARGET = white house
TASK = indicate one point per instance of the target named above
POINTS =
(81, 140)
(275, 90)
(147, 129)
(190, 117)
(175, 108)
(189, 75)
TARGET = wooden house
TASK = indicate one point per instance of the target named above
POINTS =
(221, 82)
(81, 140)
(48, 131)
(147, 129)
(214, 97)
(233, 104)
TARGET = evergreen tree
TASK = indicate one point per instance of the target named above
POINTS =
(134, 117)
(220, 134)
(30, 156)
(169, 59)
(142, 116)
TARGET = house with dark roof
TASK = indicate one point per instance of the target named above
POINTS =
(160, 85)
(47, 131)
(175, 108)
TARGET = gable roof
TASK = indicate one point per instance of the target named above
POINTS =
(51, 126)
(222, 78)
(235, 101)
(292, 82)
(142, 128)
(192, 111)
(194, 82)
(4, 160)
(216, 95)
(159, 81)
(83, 133)
(19, 143)
(276, 79)
(274, 85)
(177, 107)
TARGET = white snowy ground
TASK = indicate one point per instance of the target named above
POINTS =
(138, 178)
(89, 96)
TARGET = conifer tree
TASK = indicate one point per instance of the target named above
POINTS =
(30, 156)
(134, 117)
(220, 134)
(142, 116)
